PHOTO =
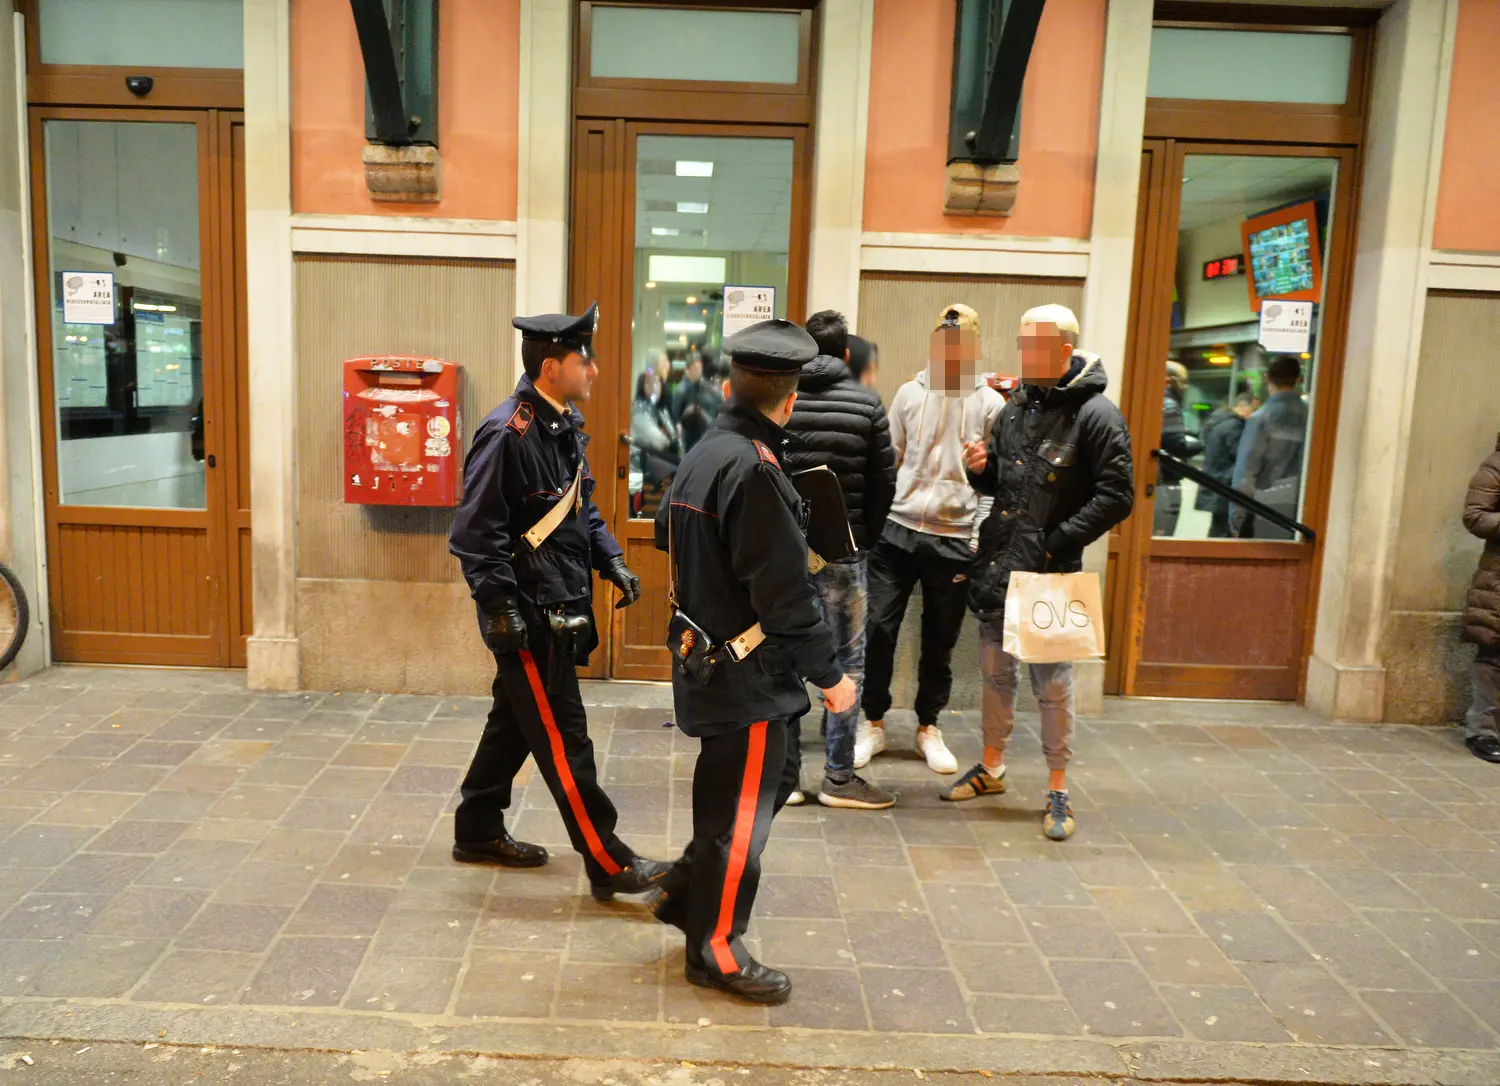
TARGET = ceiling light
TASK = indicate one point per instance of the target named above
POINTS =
(1219, 360)
(1305, 356)
(665, 231)
(691, 300)
(684, 326)
(688, 207)
(687, 168)
(650, 285)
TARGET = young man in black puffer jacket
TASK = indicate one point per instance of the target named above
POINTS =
(1058, 466)
(840, 424)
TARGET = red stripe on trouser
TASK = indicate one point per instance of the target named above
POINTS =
(564, 770)
(739, 848)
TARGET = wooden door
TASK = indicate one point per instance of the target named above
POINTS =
(630, 230)
(1197, 611)
(144, 426)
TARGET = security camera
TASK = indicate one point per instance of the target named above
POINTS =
(139, 85)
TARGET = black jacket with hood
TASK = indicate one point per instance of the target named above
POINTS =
(842, 425)
(1060, 472)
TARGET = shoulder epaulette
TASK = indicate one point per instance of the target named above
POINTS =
(766, 455)
(520, 422)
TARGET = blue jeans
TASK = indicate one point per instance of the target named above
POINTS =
(841, 591)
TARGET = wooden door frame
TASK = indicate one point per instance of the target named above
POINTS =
(218, 357)
(1141, 399)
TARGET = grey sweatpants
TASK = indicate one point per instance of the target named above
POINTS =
(1051, 683)
(1484, 711)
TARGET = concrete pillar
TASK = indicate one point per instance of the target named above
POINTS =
(1106, 318)
(274, 659)
(545, 136)
(838, 188)
(22, 531)
(1402, 156)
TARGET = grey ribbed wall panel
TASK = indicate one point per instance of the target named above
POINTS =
(1455, 416)
(898, 310)
(360, 305)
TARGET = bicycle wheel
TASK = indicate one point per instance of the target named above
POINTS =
(15, 616)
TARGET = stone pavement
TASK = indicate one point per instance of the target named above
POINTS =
(1251, 894)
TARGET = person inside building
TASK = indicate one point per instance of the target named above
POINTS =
(864, 360)
(1482, 610)
(929, 538)
(654, 442)
(746, 633)
(529, 539)
(1048, 507)
(841, 425)
(1221, 443)
(1268, 464)
(695, 402)
(1177, 440)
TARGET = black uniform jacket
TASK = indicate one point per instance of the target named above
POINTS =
(741, 558)
(1061, 475)
(522, 462)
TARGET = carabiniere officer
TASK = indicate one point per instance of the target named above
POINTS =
(747, 630)
(529, 537)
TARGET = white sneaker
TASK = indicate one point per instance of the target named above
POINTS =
(796, 799)
(868, 742)
(930, 745)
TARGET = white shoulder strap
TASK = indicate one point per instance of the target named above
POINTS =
(568, 504)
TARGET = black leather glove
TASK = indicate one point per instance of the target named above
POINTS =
(504, 629)
(618, 574)
(1057, 545)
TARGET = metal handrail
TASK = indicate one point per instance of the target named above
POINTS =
(1260, 509)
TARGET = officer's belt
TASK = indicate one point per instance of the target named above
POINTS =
(737, 647)
(566, 506)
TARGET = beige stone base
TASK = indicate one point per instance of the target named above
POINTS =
(1346, 693)
(1427, 667)
(273, 663)
(390, 636)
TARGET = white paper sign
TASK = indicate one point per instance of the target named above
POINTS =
(88, 297)
(744, 306)
(1286, 327)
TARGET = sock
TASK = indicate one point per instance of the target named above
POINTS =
(993, 761)
(834, 778)
(997, 770)
(1057, 780)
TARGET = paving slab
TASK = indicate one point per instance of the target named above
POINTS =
(1253, 895)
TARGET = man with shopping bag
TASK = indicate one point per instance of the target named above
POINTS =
(1059, 469)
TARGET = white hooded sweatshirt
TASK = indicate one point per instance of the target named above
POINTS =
(928, 431)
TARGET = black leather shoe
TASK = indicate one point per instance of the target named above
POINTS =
(1484, 746)
(504, 850)
(668, 909)
(640, 876)
(755, 983)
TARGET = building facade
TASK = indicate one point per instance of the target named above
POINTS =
(175, 480)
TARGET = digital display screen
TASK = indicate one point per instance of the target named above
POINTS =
(1281, 259)
(1224, 267)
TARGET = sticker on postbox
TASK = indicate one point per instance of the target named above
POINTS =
(402, 423)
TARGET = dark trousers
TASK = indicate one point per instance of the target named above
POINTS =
(1219, 525)
(552, 726)
(1483, 716)
(893, 573)
(1168, 509)
(741, 781)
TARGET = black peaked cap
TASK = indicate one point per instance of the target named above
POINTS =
(774, 346)
(570, 331)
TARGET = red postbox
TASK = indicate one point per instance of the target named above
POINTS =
(403, 431)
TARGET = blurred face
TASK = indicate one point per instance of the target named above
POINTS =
(652, 385)
(694, 370)
(661, 367)
(1244, 410)
(1045, 353)
(571, 378)
(953, 360)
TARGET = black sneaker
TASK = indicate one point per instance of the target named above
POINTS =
(855, 793)
(1486, 746)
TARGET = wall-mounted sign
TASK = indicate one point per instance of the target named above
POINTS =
(88, 297)
(1224, 267)
(744, 306)
(1285, 327)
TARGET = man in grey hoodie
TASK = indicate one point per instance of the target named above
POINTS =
(929, 537)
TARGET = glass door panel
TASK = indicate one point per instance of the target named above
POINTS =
(713, 216)
(1252, 237)
(127, 361)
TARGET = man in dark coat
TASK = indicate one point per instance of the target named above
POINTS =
(1180, 442)
(1268, 466)
(1482, 610)
(1221, 443)
(1058, 465)
(841, 425)
(747, 618)
(529, 539)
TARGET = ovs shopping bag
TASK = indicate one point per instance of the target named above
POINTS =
(1053, 617)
